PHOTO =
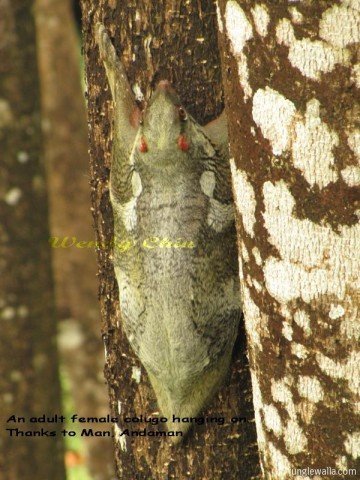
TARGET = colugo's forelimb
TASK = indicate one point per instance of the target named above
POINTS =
(178, 281)
(126, 110)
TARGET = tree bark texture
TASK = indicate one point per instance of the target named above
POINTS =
(28, 361)
(177, 41)
(66, 156)
(291, 87)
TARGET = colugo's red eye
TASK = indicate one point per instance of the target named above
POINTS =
(183, 143)
(182, 114)
(143, 145)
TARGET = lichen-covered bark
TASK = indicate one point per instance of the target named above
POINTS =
(66, 157)
(28, 358)
(177, 41)
(292, 81)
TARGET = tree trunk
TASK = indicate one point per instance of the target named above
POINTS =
(178, 42)
(66, 156)
(292, 76)
(28, 362)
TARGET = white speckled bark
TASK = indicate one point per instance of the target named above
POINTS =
(295, 170)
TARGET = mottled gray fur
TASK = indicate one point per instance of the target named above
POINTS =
(180, 306)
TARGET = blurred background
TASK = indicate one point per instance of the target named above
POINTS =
(52, 355)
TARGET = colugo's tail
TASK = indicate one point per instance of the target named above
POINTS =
(176, 406)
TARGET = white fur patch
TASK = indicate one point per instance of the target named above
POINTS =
(128, 213)
(207, 183)
(136, 184)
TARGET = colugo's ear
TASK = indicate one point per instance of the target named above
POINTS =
(217, 131)
(127, 113)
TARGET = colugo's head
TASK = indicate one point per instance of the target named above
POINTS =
(164, 128)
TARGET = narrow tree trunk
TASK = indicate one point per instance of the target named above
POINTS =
(176, 41)
(292, 76)
(66, 156)
(28, 361)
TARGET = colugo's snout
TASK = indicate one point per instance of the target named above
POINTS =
(164, 121)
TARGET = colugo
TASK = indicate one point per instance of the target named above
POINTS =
(170, 178)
